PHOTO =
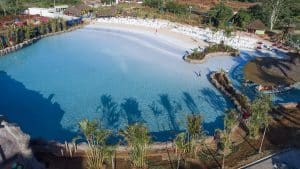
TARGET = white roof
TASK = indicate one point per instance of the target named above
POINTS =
(61, 6)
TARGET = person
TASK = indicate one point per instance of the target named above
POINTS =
(198, 74)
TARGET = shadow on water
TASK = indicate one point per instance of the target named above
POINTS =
(35, 114)
(40, 117)
(131, 108)
(110, 114)
(210, 127)
(190, 103)
(171, 108)
(214, 100)
(157, 112)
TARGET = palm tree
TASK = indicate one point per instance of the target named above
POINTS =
(181, 147)
(28, 32)
(230, 120)
(98, 151)
(195, 132)
(265, 107)
(53, 25)
(137, 137)
(259, 118)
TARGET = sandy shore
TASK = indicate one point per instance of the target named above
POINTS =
(165, 35)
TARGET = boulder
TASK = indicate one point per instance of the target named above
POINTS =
(15, 147)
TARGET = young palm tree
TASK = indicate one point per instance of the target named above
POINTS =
(195, 132)
(28, 32)
(137, 137)
(98, 151)
(259, 118)
(53, 25)
(230, 120)
(265, 107)
(181, 147)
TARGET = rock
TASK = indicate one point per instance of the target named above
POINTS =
(15, 146)
(290, 105)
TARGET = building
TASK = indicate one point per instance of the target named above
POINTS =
(257, 27)
(56, 12)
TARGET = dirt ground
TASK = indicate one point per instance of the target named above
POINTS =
(272, 71)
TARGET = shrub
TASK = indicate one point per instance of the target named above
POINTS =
(196, 54)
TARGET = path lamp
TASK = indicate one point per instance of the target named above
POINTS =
(190, 8)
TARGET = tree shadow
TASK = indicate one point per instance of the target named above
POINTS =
(190, 103)
(110, 112)
(36, 115)
(156, 111)
(171, 108)
(210, 127)
(286, 159)
(131, 108)
(214, 100)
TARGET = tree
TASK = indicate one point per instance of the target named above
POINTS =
(28, 32)
(229, 122)
(4, 6)
(53, 25)
(176, 8)
(266, 106)
(154, 3)
(242, 18)
(137, 137)
(259, 118)
(276, 9)
(195, 132)
(98, 151)
(181, 146)
(219, 15)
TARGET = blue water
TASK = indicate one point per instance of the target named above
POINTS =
(116, 77)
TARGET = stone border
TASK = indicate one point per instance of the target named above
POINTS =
(221, 88)
(207, 56)
(33, 40)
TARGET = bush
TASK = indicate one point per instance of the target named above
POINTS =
(176, 8)
(212, 49)
(153, 3)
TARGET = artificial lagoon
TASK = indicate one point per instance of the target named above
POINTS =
(114, 76)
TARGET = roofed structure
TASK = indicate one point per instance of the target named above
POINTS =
(257, 26)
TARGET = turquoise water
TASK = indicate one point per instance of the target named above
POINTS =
(116, 77)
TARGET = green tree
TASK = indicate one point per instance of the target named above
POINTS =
(154, 3)
(219, 15)
(181, 147)
(98, 151)
(242, 18)
(53, 25)
(28, 32)
(176, 8)
(137, 137)
(4, 7)
(230, 120)
(277, 10)
(259, 118)
(195, 132)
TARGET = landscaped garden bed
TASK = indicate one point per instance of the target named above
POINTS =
(197, 56)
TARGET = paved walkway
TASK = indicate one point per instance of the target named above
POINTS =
(289, 159)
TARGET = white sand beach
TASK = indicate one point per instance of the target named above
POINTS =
(163, 34)
(175, 31)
